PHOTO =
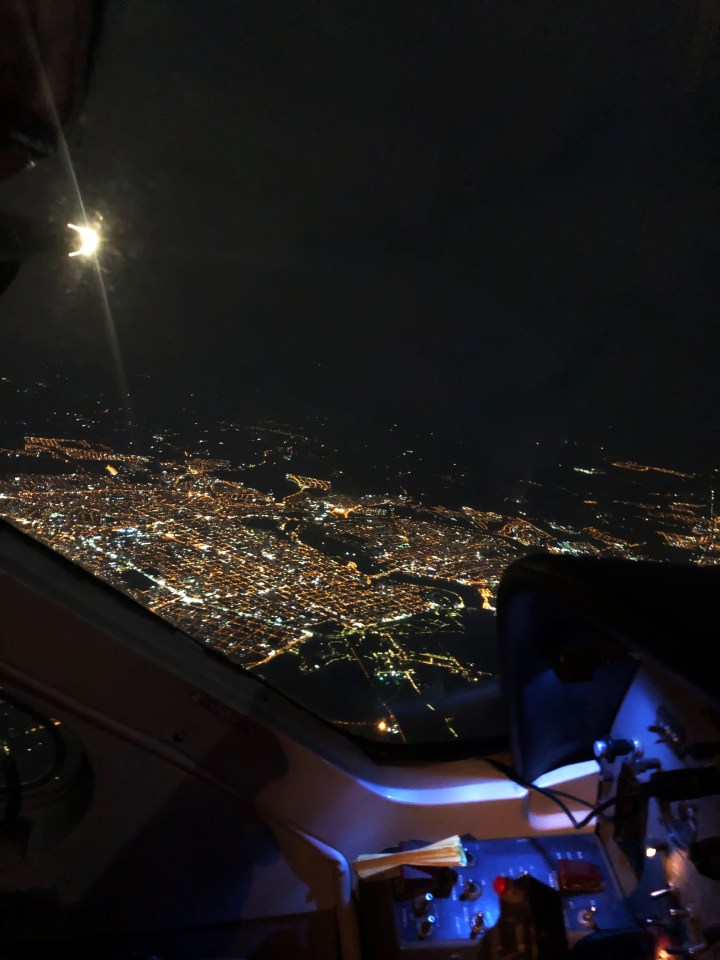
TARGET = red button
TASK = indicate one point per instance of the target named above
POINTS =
(500, 885)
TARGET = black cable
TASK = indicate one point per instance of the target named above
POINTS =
(571, 796)
(521, 782)
(550, 863)
(555, 795)
(596, 811)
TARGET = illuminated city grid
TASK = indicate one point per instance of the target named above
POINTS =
(258, 576)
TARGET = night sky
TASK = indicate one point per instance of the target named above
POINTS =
(489, 219)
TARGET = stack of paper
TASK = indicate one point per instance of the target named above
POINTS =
(443, 853)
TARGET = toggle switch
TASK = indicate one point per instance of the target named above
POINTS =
(471, 891)
(477, 925)
(587, 919)
(662, 892)
(610, 749)
(426, 927)
(422, 904)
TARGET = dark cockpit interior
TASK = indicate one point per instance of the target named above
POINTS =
(157, 802)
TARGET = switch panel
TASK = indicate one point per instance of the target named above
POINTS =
(545, 893)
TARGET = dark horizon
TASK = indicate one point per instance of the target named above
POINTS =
(477, 472)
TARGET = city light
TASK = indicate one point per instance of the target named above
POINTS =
(380, 585)
(88, 239)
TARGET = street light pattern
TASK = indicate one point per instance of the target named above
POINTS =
(314, 577)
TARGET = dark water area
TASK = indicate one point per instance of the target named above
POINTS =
(339, 691)
(15, 465)
(313, 536)
(136, 580)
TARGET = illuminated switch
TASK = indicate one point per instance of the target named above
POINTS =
(579, 876)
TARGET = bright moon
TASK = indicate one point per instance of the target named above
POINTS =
(89, 241)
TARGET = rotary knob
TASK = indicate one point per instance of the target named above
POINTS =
(425, 927)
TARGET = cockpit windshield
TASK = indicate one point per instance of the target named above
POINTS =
(317, 316)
